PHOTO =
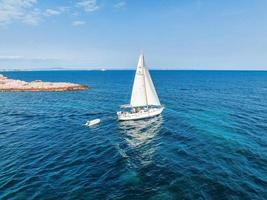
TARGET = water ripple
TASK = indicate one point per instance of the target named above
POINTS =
(209, 143)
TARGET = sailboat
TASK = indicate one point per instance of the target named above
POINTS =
(144, 99)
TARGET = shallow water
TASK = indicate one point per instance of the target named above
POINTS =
(209, 143)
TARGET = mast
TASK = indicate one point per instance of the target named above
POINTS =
(144, 79)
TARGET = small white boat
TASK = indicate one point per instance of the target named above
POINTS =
(92, 122)
(144, 99)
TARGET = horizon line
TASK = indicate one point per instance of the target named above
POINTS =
(123, 69)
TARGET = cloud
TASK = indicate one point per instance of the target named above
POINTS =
(29, 11)
(88, 5)
(25, 11)
(9, 62)
(22, 10)
(120, 5)
(56, 11)
(10, 57)
(78, 23)
(32, 18)
(52, 12)
(24, 58)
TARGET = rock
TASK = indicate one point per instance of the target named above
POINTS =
(12, 85)
(2, 77)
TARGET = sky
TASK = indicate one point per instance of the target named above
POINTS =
(94, 34)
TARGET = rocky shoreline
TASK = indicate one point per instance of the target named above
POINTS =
(11, 85)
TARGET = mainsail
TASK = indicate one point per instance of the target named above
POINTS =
(143, 92)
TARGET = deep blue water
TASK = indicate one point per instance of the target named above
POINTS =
(209, 143)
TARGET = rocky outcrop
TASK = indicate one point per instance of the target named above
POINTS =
(12, 85)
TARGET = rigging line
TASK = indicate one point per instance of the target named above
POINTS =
(144, 80)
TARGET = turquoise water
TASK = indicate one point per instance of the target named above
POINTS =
(209, 143)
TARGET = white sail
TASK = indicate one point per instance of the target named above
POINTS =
(152, 97)
(138, 97)
(143, 92)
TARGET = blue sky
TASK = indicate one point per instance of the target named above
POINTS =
(173, 34)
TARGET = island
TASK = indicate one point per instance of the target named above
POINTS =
(11, 85)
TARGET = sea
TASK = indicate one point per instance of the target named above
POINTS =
(210, 142)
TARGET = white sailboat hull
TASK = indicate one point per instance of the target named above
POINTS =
(142, 114)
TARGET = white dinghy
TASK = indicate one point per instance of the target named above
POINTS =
(144, 100)
(92, 122)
